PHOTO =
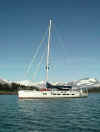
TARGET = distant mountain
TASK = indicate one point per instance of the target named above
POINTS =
(30, 83)
(3, 81)
(25, 83)
(85, 82)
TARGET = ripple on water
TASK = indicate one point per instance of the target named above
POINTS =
(73, 115)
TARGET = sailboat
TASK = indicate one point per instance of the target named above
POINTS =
(51, 91)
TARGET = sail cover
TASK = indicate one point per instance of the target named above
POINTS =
(60, 87)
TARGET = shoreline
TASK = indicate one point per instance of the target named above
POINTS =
(8, 93)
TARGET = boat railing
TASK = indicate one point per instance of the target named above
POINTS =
(82, 89)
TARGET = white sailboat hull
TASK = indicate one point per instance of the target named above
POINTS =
(31, 94)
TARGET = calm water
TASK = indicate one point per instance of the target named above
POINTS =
(59, 115)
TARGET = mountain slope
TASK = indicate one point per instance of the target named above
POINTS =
(85, 82)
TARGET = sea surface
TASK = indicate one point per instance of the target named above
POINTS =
(50, 115)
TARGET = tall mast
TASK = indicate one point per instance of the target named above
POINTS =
(48, 53)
